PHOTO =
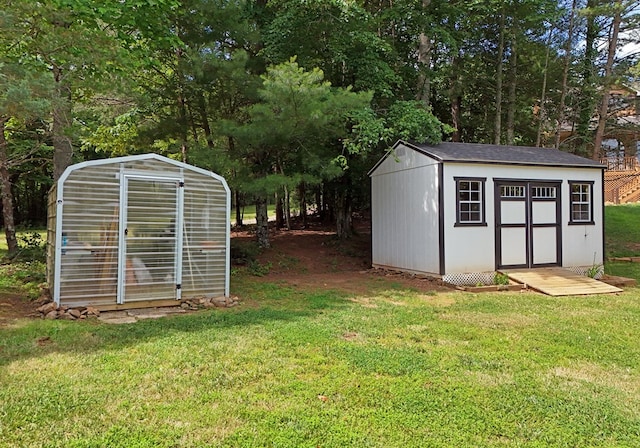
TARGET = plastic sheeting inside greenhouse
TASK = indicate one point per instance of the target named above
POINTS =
(137, 231)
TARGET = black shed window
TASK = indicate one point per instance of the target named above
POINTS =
(581, 202)
(470, 200)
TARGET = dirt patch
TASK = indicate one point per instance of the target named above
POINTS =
(14, 306)
(313, 258)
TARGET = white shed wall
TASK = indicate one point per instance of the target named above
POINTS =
(472, 249)
(405, 213)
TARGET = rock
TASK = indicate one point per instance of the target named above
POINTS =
(91, 311)
(66, 316)
(219, 302)
(53, 314)
(47, 308)
(75, 313)
(209, 304)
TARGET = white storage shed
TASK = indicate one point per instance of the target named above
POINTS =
(463, 211)
(137, 231)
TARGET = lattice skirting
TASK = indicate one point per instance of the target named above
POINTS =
(470, 278)
(588, 271)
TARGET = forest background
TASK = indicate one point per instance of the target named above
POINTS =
(293, 101)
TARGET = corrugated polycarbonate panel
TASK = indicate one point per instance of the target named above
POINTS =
(88, 266)
(204, 244)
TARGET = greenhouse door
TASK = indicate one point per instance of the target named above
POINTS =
(528, 231)
(150, 238)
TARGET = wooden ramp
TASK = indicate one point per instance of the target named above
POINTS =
(559, 282)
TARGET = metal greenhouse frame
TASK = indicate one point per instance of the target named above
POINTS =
(137, 231)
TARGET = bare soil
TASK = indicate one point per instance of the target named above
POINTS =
(313, 258)
(309, 259)
(14, 306)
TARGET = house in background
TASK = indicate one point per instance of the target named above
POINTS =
(137, 231)
(463, 211)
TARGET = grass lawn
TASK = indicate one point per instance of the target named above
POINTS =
(622, 225)
(295, 368)
(249, 212)
(25, 274)
(622, 239)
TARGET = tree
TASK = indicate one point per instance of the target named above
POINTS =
(618, 9)
(80, 43)
(288, 136)
(339, 38)
(22, 98)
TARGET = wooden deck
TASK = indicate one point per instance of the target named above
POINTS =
(559, 282)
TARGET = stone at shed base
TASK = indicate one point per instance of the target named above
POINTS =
(219, 302)
(47, 308)
(50, 310)
(91, 311)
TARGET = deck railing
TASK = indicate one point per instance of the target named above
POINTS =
(621, 188)
(627, 163)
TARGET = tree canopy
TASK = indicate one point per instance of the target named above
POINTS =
(294, 100)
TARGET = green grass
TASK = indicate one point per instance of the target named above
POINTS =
(250, 212)
(295, 369)
(622, 231)
(22, 236)
(26, 273)
(622, 239)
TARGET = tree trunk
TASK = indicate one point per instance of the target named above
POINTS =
(498, 117)
(344, 222)
(513, 84)
(455, 99)
(565, 76)
(287, 208)
(320, 206)
(456, 104)
(262, 222)
(238, 196)
(423, 92)
(542, 111)
(608, 69)
(5, 192)
(239, 206)
(303, 204)
(588, 92)
(61, 108)
(279, 212)
(204, 117)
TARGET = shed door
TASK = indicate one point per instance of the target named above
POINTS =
(528, 231)
(150, 264)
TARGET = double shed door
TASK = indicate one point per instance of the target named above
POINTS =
(528, 227)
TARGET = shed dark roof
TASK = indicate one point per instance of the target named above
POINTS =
(512, 155)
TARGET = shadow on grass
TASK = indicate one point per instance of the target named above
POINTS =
(37, 338)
